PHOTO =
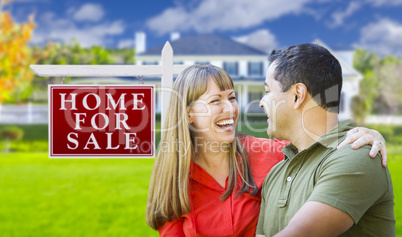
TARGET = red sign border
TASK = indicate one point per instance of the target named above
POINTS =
(100, 156)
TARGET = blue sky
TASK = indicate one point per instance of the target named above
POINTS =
(375, 25)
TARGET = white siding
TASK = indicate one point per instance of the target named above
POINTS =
(243, 68)
(217, 63)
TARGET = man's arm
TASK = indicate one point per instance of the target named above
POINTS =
(317, 219)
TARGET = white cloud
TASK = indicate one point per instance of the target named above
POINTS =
(385, 2)
(89, 12)
(126, 43)
(25, 1)
(339, 16)
(382, 37)
(261, 39)
(211, 15)
(51, 28)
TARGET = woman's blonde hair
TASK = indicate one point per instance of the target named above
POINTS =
(168, 189)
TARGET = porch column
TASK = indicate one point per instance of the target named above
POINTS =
(244, 99)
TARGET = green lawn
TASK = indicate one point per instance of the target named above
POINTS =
(73, 197)
(395, 167)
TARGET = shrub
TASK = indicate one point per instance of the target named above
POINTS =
(10, 133)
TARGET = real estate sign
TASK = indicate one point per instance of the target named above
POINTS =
(101, 121)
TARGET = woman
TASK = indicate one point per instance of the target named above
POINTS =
(206, 179)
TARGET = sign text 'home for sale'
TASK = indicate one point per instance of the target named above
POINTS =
(101, 121)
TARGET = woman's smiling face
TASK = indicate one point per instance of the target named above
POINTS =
(214, 115)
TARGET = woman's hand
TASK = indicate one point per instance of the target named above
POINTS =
(360, 136)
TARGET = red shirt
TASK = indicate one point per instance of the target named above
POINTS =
(236, 215)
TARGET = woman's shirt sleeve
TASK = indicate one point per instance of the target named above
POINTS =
(172, 228)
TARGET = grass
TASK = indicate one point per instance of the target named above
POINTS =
(395, 168)
(96, 197)
(71, 197)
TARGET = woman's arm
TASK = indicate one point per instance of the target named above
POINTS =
(172, 229)
(360, 136)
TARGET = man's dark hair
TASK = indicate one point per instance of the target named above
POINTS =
(313, 66)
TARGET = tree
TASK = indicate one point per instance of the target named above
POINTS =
(71, 53)
(123, 55)
(381, 88)
(359, 109)
(365, 61)
(362, 104)
(15, 57)
(389, 100)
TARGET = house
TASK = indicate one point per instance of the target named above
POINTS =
(247, 66)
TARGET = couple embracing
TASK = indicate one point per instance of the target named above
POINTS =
(209, 180)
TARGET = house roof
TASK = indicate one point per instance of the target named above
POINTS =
(206, 44)
(104, 80)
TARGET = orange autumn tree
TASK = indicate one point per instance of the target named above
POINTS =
(15, 56)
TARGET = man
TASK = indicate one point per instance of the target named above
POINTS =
(318, 190)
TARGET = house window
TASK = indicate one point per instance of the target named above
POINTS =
(150, 63)
(202, 62)
(177, 62)
(255, 68)
(231, 68)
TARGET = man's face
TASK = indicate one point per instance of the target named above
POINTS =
(277, 105)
